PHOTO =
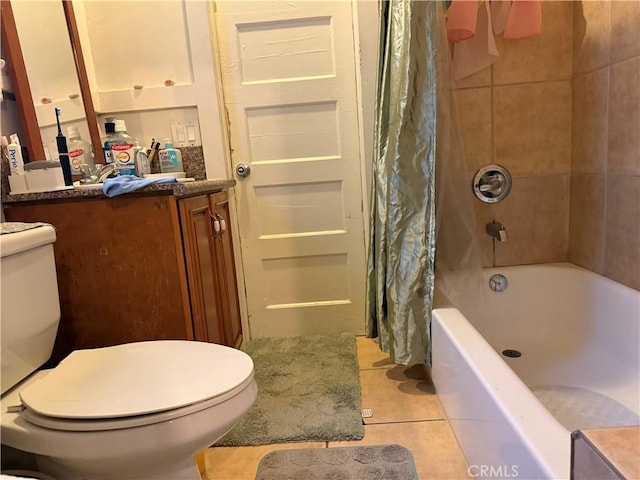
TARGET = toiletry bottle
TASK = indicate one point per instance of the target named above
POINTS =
(14, 151)
(79, 153)
(123, 150)
(170, 158)
(110, 130)
(142, 161)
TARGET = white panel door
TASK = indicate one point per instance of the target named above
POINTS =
(289, 80)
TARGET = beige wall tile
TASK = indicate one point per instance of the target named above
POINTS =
(624, 117)
(432, 444)
(589, 122)
(532, 128)
(586, 224)
(535, 215)
(622, 232)
(591, 25)
(625, 29)
(474, 107)
(540, 58)
(484, 214)
(478, 79)
(619, 445)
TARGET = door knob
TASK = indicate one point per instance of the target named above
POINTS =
(243, 170)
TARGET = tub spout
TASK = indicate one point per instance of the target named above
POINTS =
(497, 231)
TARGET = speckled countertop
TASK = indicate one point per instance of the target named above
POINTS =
(178, 189)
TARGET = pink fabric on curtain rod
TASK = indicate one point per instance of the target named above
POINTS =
(472, 30)
(462, 19)
(518, 18)
(525, 19)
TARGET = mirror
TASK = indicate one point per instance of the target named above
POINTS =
(51, 70)
(54, 66)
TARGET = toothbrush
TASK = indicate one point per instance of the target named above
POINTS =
(63, 150)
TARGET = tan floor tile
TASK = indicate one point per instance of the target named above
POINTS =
(241, 463)
(434, 448)
(399, 394)
(370, 355)
(395, 394)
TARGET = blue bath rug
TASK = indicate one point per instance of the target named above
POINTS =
(308, 391)
(347, 463)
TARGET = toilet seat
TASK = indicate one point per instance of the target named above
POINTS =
(135, 384)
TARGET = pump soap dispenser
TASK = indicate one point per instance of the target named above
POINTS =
(170, 158)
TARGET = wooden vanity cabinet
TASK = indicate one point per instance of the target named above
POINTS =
(226, 268)
(211, 269)
(136, 268)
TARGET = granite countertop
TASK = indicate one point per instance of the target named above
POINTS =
(178, 189)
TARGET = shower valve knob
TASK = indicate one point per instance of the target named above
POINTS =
(492, 183)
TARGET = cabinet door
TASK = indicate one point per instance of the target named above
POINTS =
(228, 287)
(121, 270)
(202, 269)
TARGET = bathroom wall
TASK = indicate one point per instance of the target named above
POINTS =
(604, 227)
(517, 113)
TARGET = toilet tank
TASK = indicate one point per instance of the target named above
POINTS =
(30, 308)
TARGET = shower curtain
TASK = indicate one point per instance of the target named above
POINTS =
(401, 260)
(416, 128)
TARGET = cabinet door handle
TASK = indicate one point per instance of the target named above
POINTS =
(219, 224)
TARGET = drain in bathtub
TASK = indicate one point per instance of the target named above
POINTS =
(498, 283)
(511, 353)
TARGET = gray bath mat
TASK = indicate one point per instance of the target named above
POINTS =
(577, 408)
(393, 462)
(308, 390)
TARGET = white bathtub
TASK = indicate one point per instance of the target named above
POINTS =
(579, 334)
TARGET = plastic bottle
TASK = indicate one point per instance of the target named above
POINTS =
(16, 162)
(79, 152)
(110, 130)
(123, 150)
(170, 158)
(142, 161)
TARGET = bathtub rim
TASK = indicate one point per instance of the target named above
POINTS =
(442, 300)
(551, 445)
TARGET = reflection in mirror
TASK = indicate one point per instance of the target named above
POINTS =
(51, 70)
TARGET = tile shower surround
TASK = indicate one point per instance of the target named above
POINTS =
(604, 233)
(561, 112)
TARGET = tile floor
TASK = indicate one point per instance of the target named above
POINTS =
(405, 411)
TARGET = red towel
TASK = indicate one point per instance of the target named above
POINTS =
(462, 17)
(525, 19)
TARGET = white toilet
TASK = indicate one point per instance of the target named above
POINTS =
(133, 411)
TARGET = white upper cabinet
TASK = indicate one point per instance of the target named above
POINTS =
(138, 43)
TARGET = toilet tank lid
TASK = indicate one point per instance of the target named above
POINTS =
(19, 237)
(137, 379)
